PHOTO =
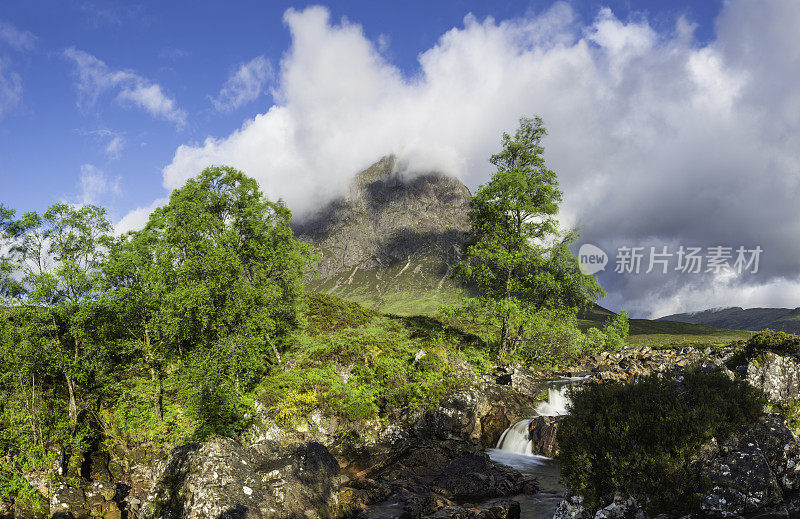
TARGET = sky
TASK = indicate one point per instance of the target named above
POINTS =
(672, 124)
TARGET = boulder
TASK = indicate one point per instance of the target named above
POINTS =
(493, 424)
(542, 432)
(497, 509)
(475, 476)
(221, 478)
(777, 376)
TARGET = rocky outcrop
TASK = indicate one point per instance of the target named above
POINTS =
(630, 363)
(542, 431)
(222, 479)
(393, 231)
(777, 376)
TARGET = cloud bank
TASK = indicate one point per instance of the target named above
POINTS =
(657, 139)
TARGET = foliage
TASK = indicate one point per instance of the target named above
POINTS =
(616, 331)
(754, 348)
(641, 437)
(516, 261)
(371, 366)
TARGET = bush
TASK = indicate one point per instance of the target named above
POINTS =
(756, 346)
(551, 339)
(616, 331)
(640, 437)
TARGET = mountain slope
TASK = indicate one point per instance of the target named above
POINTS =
(390, 241)
(736, 318)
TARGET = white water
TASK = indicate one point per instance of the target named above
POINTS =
(557, 402)
(516, 439)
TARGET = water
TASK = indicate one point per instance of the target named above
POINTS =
(544, 503)
(515, 439)
(515, 449)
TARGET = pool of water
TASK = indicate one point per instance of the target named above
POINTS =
(543, 504)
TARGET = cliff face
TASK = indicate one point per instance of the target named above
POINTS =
(389, 235)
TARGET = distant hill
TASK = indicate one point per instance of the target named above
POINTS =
(736, 318)
(390, 242)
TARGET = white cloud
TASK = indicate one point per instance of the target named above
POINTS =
(244, 85)
(96, 78)
(95, 185)
(656, 138)
(17, 39)
(10, 89)
(114, 147)
(137, 218)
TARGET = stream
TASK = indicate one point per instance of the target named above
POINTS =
(514, 449)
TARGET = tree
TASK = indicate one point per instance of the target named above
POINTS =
(517, 261)
(59, 254)
(215, 277)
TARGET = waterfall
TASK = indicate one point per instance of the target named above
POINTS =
(516, 439)
(557, 401)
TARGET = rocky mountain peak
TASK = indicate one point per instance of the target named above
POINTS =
(413, 223)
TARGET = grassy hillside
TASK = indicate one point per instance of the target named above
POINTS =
(666, 334)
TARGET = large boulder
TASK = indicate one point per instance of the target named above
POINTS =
(777, 376)
(222, 479)
(542, 432)
(475, 476)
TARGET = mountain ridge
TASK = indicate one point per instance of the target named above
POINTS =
(738, 318)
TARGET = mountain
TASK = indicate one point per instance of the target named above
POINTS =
(736, 318)
(391, 241)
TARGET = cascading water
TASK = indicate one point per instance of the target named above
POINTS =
(557, 402)
(515, 449)
(516, 439)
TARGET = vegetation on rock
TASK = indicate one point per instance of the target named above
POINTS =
(641, 438)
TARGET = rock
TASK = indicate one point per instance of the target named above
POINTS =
(741, 480)
(542, 431)
(221, 478)
(475, 476)
(493, 424)
(68, 499)
(571, 507)
(777, 376)
(498, 509)
(780, 447)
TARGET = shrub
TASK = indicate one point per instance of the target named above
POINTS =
(779, 343)
(616, 331)
(641, 437)
(550, 339)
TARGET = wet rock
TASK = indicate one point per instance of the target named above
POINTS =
(221, 478)
(542, 432)
(475, 476)
(492, 426)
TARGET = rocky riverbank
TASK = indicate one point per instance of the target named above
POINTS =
(429, 462)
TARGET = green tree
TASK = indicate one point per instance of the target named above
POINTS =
(215, 274)
(59, 255)
(517, 261)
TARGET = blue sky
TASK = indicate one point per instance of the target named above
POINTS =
(189, 49)
(670, 122)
